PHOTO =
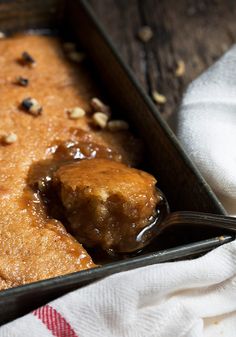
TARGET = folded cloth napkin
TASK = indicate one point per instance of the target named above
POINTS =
(179, 299)
(206, 126)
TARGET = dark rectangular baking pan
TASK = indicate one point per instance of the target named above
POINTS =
(178, 178)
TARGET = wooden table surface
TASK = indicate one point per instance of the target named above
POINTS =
(196, 32)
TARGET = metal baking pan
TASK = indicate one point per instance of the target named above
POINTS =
(182, 184)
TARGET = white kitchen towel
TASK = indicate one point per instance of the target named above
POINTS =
(181, 299)
(206, 126)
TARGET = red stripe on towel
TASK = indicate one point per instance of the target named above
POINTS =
(55, 322)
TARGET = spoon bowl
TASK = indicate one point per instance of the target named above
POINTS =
(163, 219)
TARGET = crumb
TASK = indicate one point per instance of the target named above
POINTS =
(10, 138)
(117, 125)
(180, 70)
(158, 98)
(145, 34)
(76, 113)
(100, 119)
(98, 105)
(2, 35)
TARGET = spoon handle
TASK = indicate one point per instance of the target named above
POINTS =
(201, 219)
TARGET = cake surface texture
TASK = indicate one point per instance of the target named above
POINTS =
(33, 245)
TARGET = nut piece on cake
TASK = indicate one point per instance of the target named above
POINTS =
(107, 203)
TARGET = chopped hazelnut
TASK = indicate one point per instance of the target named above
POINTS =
(76, 56)
(145, 34)
(10, 138)
(100, 119)
(158, 98)
(22, 81)
(117, 125)
(98, 105)
(180, 70)
(32, 106)
(76, 113)
(28, 59)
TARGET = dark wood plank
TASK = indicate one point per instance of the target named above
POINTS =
(122, 20)
(197, 32)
